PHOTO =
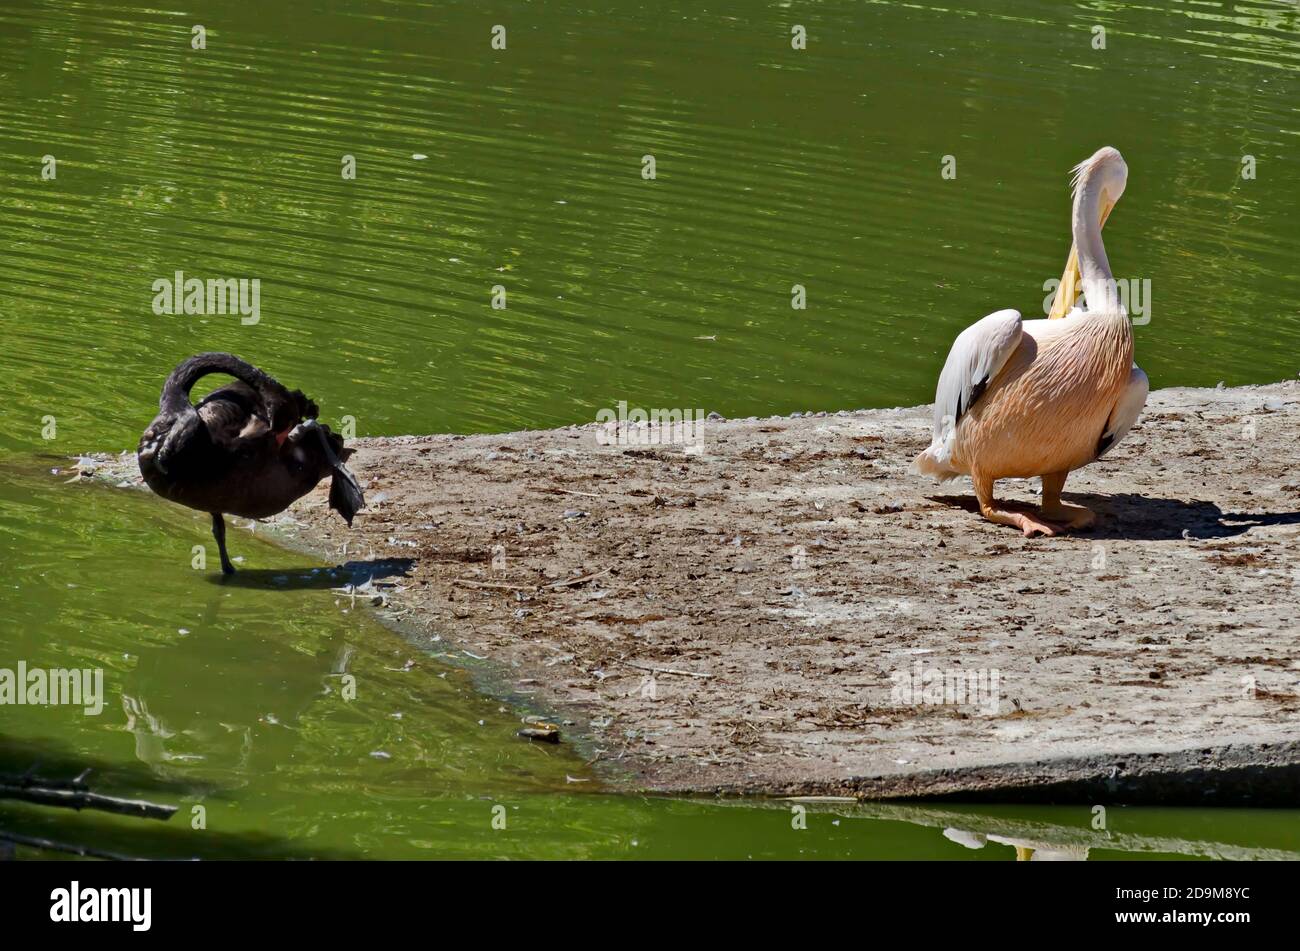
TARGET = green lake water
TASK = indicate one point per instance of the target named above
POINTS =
(774, 167)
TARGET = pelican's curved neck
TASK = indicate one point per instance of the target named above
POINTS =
(1094, 268)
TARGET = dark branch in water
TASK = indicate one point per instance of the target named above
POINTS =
(52, 846)
(75, 794)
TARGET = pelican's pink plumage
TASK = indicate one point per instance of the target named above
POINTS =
(1019, 398)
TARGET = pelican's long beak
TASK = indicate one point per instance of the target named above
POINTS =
(1068, 290)
(1106, 209)
(1071, 280)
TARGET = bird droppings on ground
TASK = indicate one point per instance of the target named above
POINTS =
(779, 612)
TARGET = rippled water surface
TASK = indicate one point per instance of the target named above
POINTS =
(774, 167)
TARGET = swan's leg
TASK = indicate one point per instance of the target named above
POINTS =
(219, 533)
(1027, 523)
(1071, 516)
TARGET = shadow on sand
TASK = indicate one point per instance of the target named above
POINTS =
(1144, 518)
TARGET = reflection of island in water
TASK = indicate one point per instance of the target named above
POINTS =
(1046, 841)
(1027, 850)
(1036, 839)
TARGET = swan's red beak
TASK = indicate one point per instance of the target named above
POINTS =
(280, 438)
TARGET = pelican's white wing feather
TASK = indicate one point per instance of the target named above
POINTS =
(1126, 411)
(978, 354)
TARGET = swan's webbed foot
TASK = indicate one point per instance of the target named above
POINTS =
(345, 495)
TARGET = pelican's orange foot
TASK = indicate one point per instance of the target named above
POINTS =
(1032, 525)
(1073, 517)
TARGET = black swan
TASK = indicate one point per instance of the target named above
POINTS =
(250, 448)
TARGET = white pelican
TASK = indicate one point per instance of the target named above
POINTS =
(1018, 399)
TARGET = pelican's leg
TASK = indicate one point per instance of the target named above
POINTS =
(219, 533)
(1071, 516)
(1029, 524)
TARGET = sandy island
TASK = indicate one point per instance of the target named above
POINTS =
(750, 618)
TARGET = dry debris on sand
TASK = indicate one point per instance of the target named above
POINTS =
(731, 621)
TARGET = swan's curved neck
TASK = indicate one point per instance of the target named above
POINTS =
(1094, 267)
(176, 391)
